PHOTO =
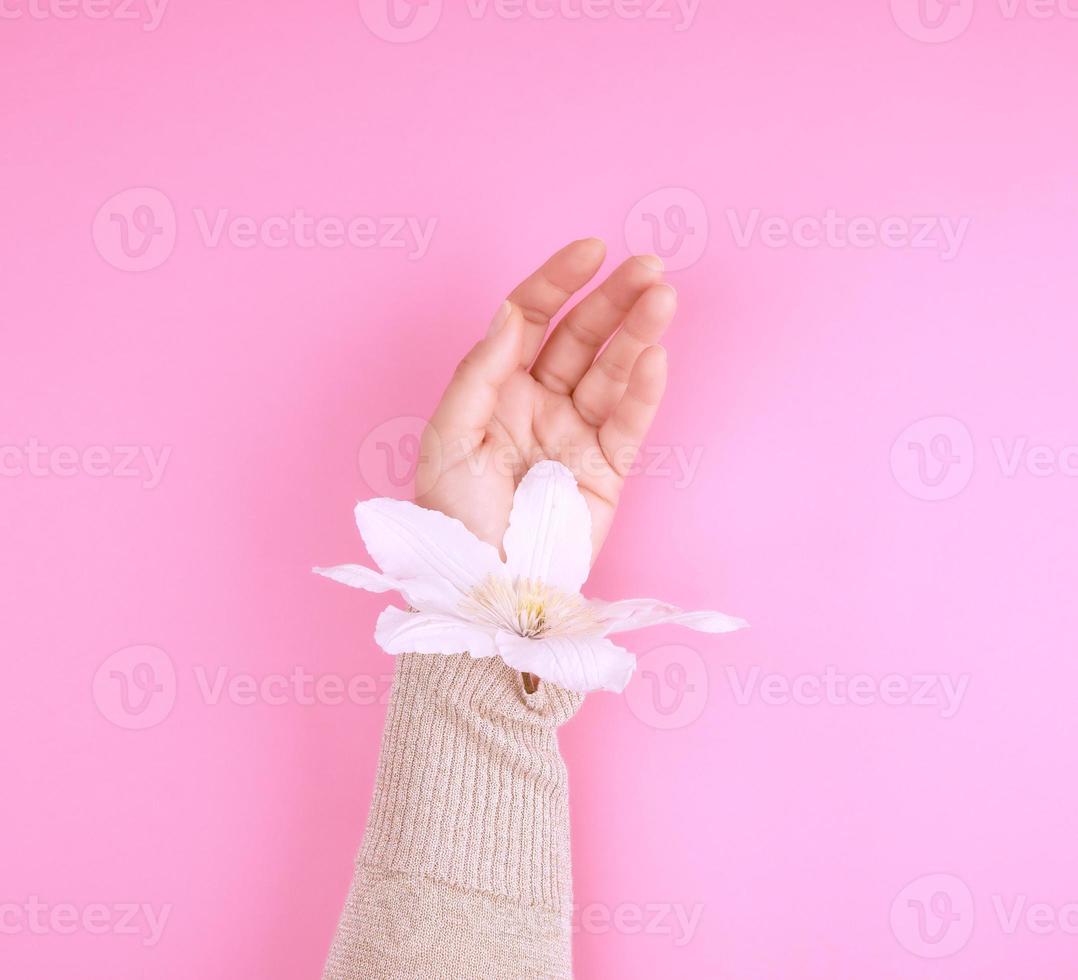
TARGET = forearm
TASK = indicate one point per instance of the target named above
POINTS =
(464, 869)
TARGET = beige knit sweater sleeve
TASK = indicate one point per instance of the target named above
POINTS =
(464, 868)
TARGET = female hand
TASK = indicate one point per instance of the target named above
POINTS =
(514, 399)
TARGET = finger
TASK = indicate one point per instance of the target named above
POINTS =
(545, 291)
(600, 390)
(568, 353)
(467, 406)
(620, 435)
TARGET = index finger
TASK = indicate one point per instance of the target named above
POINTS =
(546, 290)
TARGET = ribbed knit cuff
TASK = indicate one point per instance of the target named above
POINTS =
(471, 788)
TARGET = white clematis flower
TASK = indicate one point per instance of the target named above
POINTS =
(528, 609)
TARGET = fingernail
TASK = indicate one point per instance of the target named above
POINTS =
(499, 318)
(652, 262)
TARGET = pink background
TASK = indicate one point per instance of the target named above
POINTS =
(791, 824)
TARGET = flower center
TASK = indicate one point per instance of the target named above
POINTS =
(528, 608)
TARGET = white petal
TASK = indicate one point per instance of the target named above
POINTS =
(398, 631)
(430, 594)
(360, 577)
(579, 663)
(549, 535)
(634, 614)
(411, 542)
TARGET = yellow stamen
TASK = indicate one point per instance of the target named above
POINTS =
(528, 608)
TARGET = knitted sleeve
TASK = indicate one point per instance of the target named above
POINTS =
(464, 869)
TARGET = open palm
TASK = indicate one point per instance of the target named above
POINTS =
(514, 399)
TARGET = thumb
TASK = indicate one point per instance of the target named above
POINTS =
(468, 403)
